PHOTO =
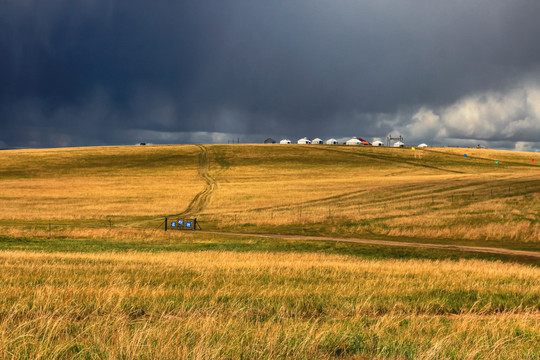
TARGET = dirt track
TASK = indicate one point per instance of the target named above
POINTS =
(201, 199)
(478, 249)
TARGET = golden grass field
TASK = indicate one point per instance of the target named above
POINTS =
(86, 270)
(423, 194)
(261, 305)
(390, 192)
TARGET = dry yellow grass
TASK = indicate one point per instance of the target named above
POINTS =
(381, 191)
(97, 182)
(261, 305)
(210, 304)
(428, 194)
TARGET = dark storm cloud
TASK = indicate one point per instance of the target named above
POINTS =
(98, 72)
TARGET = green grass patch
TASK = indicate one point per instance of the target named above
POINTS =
(223, 242)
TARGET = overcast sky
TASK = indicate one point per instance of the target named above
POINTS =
(96, 72)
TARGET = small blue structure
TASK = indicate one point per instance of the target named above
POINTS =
(182, 224)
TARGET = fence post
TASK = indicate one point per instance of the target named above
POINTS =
(165, 224)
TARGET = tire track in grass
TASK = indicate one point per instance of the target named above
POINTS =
(202, 199)
(315, 202)
(388, 158)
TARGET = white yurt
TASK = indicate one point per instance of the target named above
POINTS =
(377, 143)
(285, 141)
(354, 141)
(304, 140)
(399, 144)
(422, 145)
(316, 141)
(331, 141)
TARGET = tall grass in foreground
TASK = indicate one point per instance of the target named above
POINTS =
(264, 305)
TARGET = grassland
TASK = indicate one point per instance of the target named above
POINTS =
(374, 192)
(87, 272)
(435, 195)
(264, 305)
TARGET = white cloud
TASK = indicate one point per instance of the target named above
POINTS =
(485, 115)
(425, 123)
(511, 116)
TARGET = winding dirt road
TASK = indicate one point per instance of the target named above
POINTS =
(478, 249)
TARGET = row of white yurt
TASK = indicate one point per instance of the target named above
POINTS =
(305, 140)
(353, 141)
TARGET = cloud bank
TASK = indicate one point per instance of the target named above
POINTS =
(504, 119)
(96, 72)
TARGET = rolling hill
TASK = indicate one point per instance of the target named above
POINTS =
(327, 252)
(437, 195)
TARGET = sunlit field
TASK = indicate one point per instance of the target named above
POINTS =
(87, 270)
(264, 305)
(431, 194)
(93, 183)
